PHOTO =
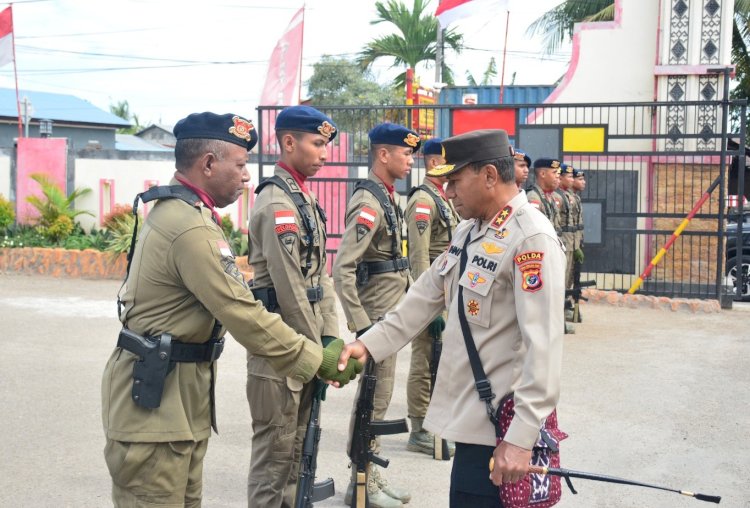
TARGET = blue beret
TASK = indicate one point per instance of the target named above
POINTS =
(392, 134)
(520, 155)
(306, 119)
(577, 173)
(567, 169)
(230, 128)
(547, 163)
(432, 147)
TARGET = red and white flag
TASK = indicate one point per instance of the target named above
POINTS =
(282, 78)
(449, 11)
(6, 36)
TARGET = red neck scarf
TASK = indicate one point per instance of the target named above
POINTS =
(298, 177)
(389, 188)
(202, 195)
(440, 189)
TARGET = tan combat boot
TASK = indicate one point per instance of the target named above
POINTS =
(376, 497)
(402, 495)
(423, 441)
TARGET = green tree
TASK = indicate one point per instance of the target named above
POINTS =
(489, 74)
(741, 57)
(122, 109)
(415, 41)
(341, 82)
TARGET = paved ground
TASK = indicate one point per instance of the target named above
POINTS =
(655, 396)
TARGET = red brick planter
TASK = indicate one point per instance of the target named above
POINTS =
(86, 264)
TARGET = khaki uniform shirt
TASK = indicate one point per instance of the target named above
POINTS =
(567, 218)
(578, 220)
(183, 278)
(278, 251)
(513, 292)
(427, 230)
(367, 238)
(548, 203)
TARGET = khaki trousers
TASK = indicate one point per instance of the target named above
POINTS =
(418, 384)
(280, 418)
(167, 475)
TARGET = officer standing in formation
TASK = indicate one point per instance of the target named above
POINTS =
(502, 275)
(182, 294)
(430, 220)
(542, 194)
(287, 250)
(579, 185)
(522, 164)
(568, 227)
(371, 274)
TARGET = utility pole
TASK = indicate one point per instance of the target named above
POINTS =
(27, 110)
(439, 55)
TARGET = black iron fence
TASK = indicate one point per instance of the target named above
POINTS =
(647, 165)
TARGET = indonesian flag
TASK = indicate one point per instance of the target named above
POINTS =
(449, 11)
(282, 78)
(6, 37)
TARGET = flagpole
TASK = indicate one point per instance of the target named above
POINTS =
(301, 51)
(15, 70)
(505, 49)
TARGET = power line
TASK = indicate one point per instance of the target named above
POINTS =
(81, 34)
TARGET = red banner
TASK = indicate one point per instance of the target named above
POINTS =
(282, 78)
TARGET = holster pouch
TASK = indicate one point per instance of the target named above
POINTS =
(152, 367)
(363, 274)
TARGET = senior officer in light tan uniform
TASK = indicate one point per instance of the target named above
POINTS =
(182, 293)
(287, 250)
(371, 274)
(513, 288)
(430, 222)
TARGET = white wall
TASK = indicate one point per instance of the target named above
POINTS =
(131, 177)
(5, 176)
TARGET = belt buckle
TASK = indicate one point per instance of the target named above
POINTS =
(215, 350)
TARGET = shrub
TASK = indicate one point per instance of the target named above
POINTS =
(59, 229)
(54, 203)
(7, 215)
(112, 219)
(227, 225)
(121, 233)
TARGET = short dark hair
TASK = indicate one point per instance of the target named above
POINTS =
(505, 166)
(280, 134)
(187, 151)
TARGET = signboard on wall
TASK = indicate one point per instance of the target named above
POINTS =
(470, 99)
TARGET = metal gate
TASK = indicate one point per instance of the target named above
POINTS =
(647, 165)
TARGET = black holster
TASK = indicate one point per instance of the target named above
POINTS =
(151, 368)
(363, 274)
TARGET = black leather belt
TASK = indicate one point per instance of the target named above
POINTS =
(184, 351)
(579, 227)
(267, 296)
(569, 229)
(392, 265)
(207, 352)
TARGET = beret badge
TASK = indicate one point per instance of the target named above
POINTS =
(241, 128)
(555, 164)
(326, 129)
(411, 140)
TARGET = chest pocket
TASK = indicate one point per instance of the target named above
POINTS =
(478, 285)
(447, 264)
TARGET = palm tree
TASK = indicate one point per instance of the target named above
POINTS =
(415, 42)
(489, 73)
(558, 24)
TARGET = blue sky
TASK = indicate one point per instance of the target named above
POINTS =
(169, 58)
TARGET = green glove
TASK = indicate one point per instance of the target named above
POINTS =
(329, 367)
(320, 385)
(435, 329)
(578, 256)
(362, 331)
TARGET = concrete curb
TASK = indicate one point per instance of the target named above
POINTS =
(617, 299)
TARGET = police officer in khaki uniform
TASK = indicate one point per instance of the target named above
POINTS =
(371, 274)
(542, 194)
(287, 250)
(579, 185)
(522, 165)
(430, 222)
(511, 290)
(568, 227)
(183, 292)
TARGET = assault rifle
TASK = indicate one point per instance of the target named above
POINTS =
(365, 431)
(309, 492)
(440, 446)
(577, 295)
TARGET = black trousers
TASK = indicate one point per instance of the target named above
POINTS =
(470, 478)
